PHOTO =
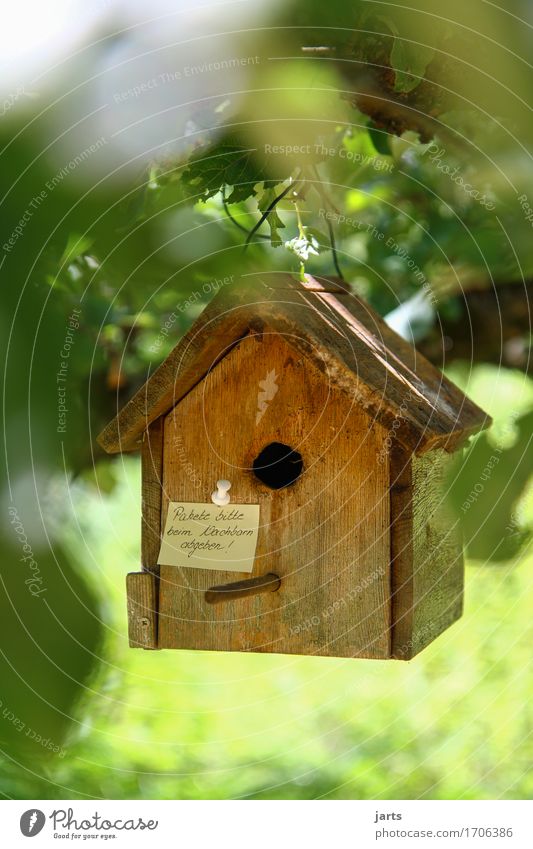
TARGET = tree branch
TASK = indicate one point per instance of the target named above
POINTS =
(494, 326)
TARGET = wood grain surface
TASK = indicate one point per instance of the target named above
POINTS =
(427, 556)
(142, 609)
(152, 487)
(347, 340)
(326, 535)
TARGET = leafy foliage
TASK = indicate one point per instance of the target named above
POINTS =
(394, 133)
(409, 62)
(226, 163)
(267, 198)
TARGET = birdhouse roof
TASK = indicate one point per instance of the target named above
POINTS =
(339, 333)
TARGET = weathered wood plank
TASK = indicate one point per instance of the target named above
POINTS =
(152, 482)
(402, 585)
(326, 536)
(141, 589)
(208, 340)
(427, 559)
(353, 346)
(368, 361)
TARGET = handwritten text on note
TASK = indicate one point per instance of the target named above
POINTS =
(209, 537)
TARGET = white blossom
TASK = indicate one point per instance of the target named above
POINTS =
(303, 247)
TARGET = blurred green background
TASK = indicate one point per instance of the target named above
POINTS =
(453, 723)
(137, 157)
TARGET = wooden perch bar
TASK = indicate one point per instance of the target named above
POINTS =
(240, 589)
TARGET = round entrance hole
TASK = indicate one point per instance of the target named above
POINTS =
(278, 465)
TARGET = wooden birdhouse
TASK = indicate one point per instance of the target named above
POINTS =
(294, 451)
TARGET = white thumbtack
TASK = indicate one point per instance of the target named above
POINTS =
(221, 497)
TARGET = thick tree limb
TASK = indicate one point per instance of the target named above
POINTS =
(494, 325)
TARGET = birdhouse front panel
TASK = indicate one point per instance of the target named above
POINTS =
(270, 422)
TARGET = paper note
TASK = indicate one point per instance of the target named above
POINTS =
(209, 537)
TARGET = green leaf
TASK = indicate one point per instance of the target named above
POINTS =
(409, 62)
(76, 246)
(380, 140)
(274, 221)
(224, 164)
(321, 237)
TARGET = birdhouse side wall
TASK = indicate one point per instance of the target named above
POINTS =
(427, 553)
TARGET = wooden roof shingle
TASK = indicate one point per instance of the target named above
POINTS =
(344, 338)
